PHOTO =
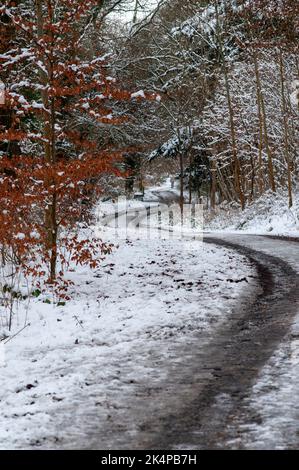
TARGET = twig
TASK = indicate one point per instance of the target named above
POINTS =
(16, 334)
(78, 321)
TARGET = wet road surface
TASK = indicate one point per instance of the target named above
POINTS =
(212, 388)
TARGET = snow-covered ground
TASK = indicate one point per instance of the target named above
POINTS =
(273, 402)
(269, 214)
(274, 398)
(74, 377)
(90, 373)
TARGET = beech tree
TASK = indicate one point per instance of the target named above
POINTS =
(54, 84)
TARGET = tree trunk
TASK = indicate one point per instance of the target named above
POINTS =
(181, 186)
(134, 20)
(260, 118)
(190, 178)
(237, 168)
(49, 147)
(285, 128)
(213, 185)
(264, 124)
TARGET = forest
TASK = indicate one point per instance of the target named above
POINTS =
(150, 102)
(92, 104)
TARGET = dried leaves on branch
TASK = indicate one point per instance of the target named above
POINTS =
(50, 162)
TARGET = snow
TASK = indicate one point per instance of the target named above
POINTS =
(269, 215)
(20, 236)
(23, 101)
(36, 105)
(294, 97)
(138, 94)
(34, 235)
(89, 372)
(274, 397)
(110, 207)
(182, 140)
(77, 374)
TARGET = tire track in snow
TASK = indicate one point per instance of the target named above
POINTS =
(234, 356)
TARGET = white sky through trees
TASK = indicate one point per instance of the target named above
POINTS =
(126, 13)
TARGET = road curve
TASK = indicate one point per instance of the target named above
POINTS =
(235, 355)
(221, 376)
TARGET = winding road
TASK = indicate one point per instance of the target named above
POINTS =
(215, 411)
(217, 415)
